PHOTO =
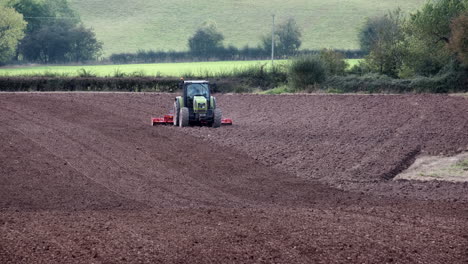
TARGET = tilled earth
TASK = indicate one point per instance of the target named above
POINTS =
(296, 179)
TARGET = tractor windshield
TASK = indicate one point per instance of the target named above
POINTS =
(198, 89)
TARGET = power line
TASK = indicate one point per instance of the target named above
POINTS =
(53, 17)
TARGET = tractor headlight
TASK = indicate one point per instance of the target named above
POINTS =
(201, 105)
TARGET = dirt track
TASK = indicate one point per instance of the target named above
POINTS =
(303, 179)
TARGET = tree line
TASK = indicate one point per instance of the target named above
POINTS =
(207, 44)
(426, 51)
(50, 31)
(225, 53)
(425, 43)
(44, 31)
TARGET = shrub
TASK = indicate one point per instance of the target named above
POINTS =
(361, 68)
(335, 62)
(306, 72)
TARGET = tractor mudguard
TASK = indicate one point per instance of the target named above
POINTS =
(181, 101)
(212, 102)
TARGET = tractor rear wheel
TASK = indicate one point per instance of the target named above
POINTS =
(217, 118)
(176, 113)
(184, 117)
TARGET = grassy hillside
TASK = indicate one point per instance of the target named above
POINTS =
(126, 26)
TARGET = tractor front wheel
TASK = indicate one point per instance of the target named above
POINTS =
(217, 118)
(184, 117)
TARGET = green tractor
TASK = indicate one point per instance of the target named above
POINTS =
(197, 106)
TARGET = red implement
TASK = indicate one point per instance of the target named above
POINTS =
(169, 119)
(226, 121)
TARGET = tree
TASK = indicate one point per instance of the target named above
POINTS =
(206, 41)
(428, 37)
(46, 12)
(83, 45)
(54, 33)
(287, 38)
(432, 22)
(459, 38)
(61, 42)
(383, 38)
(12, 28)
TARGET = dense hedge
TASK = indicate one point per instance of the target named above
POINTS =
(230, 53)
(131, 84)
(375, 83)
(246, 81)
(87, 84)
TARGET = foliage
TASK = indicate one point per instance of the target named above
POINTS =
(334, 61)
(428, 35)
(205, 40)
(61, 42)
(54, 33)
(418, 46)
(12, 28)
(360, 68)
(306, 72)
(58, 83)
(83, 45)
(432, 22)
(86, 73)
(452, 81)
(383, 38)
(459, 39)
(287, 39)
(222, 54)
(39, 13)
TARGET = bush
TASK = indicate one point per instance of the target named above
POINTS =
(361, 68)
(335, 62)
(306, 72)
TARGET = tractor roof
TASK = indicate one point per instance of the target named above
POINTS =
(200, 81)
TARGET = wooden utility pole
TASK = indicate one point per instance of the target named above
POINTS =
(273, 41)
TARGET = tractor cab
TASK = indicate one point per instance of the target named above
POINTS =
(194, 89)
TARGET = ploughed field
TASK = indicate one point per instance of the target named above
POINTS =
(297, 179)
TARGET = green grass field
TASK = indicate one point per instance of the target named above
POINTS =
(156, 69)
(126, 26)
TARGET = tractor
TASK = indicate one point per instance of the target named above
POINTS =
(195, 107)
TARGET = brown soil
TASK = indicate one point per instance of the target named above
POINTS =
(296, 179)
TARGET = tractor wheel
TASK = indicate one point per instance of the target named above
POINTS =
(184, 117)
(176, 113)
(217, 118)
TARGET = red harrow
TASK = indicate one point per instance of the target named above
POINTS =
(169, 120)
